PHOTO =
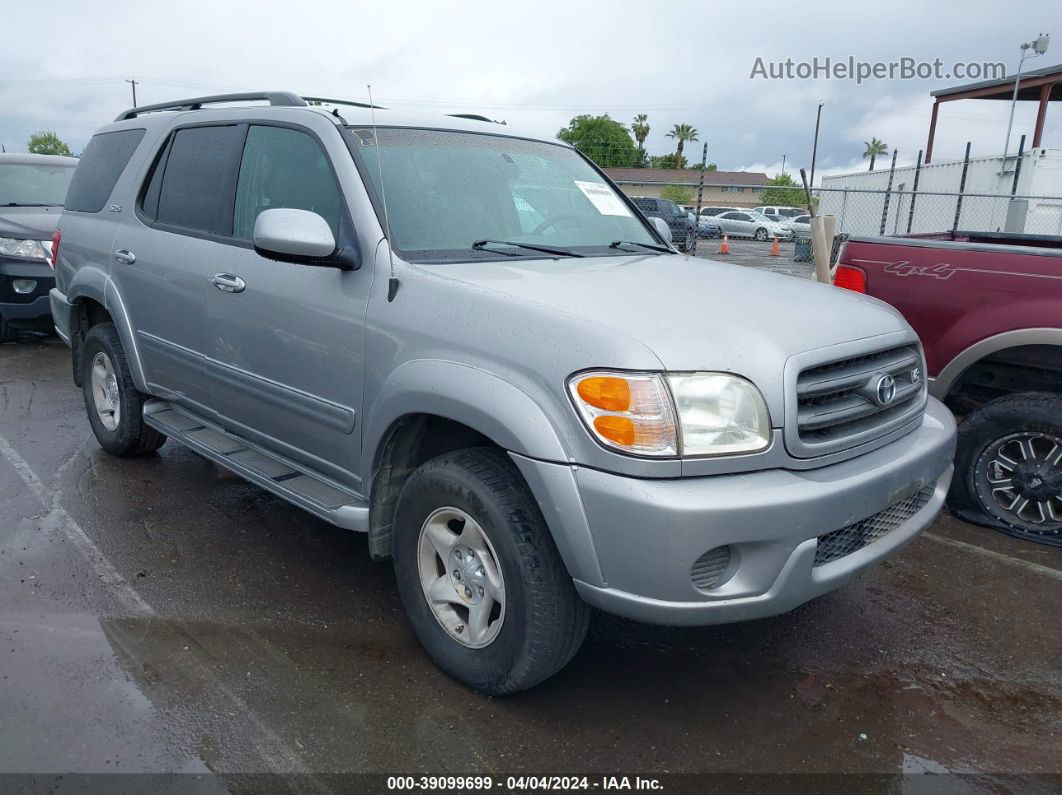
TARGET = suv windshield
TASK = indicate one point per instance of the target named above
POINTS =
(33, 184)
(446, 190)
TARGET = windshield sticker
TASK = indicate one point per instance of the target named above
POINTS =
(602, 197)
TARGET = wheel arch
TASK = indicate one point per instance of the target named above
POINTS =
(95, 298)
(951, 380)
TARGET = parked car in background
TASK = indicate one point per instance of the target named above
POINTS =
(708, 227)
(527, 423)
(713, 211)
(32, 190)
(683, 227)
(781, 214)
(801, 225)
(988, 307)
(746, 223)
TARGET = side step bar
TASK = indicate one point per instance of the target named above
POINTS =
(320, 496)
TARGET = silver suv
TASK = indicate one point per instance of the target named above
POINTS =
(467, 343)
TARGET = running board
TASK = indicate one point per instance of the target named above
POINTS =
(320, 496)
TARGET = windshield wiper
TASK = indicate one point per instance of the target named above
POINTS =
(557, 252)
(650, 246)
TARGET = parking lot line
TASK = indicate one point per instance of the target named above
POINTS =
(1035, 568)
(273, 750)
(58, 519)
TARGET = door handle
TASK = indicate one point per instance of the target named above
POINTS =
(124, 256)
(228, 283)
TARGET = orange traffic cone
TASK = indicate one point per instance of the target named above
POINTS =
(774, 247)
(725, 248)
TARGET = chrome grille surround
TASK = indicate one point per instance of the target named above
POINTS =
(839, 543)
(834, 400)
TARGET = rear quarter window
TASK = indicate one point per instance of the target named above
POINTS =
(103, 162)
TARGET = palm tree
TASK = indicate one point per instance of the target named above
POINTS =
(874, 147)
(682, 133)
(640, 128)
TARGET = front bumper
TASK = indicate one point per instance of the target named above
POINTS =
(32, 310)
(645, 535)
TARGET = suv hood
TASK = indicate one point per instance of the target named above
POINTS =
(694, 314)
(29, 223)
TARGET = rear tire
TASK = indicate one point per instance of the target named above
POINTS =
(1010, 451)
(687, 243)
(114, 406)
(536, 624)
(761, 235)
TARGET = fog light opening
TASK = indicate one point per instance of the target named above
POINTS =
(24, 286)
(713, 568)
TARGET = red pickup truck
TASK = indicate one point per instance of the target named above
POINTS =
(988, 307)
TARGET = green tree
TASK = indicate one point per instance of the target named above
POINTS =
(874, 147)
(663, 161)
(682, 133)
(640, 128)
(784, 191)
(706, 167)
(47, 143)
(603, 139)
(677, 193)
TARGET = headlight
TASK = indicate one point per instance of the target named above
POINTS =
(719, 414)
(25, 249)
(688, 414)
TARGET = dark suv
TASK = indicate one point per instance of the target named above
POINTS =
(32, 190)
(683, 230)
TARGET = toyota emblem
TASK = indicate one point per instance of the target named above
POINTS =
(885, 390)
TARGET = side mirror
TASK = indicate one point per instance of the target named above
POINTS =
(662, 228)
(290, 235)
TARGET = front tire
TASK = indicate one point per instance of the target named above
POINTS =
(761, 235)
(8, 333)
(1008, 467)
(687, 243)
(479, 576)
(114, 406)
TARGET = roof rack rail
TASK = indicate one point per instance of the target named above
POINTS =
(350, 102)
(472, 116)
(278, 98)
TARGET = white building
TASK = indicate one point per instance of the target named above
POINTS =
(858, 200)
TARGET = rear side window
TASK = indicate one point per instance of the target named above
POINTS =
(282, 167)
(645, 205)
(103, 162)
(195, 190)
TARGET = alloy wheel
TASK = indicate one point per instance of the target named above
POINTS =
(105, 396)
(1018, 479)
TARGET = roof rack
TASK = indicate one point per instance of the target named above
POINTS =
(349, 102)
(278, 98)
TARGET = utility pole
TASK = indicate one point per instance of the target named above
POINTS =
(133, 84)
(783, 165)
(815, 145)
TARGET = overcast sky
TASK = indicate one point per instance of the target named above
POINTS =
(536, 65)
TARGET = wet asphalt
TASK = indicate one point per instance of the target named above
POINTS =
(160, 615)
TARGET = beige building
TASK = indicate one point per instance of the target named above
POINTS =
(727, 188)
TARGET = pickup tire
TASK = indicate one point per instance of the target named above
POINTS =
(114, 406)
(1008, 467)
(537, 624)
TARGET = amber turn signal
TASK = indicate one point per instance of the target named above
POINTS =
(616, 429)
(610, 394)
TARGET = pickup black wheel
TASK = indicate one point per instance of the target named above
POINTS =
(113, 404)
(479, 575)
(761, 234)
(7, 332)
(1008, 467)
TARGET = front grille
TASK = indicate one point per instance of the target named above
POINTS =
(856, 536)
(839, 405)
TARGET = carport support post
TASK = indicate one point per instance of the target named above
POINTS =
(700, 198)
(914, 191)
(888, 194)
(962, 187)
